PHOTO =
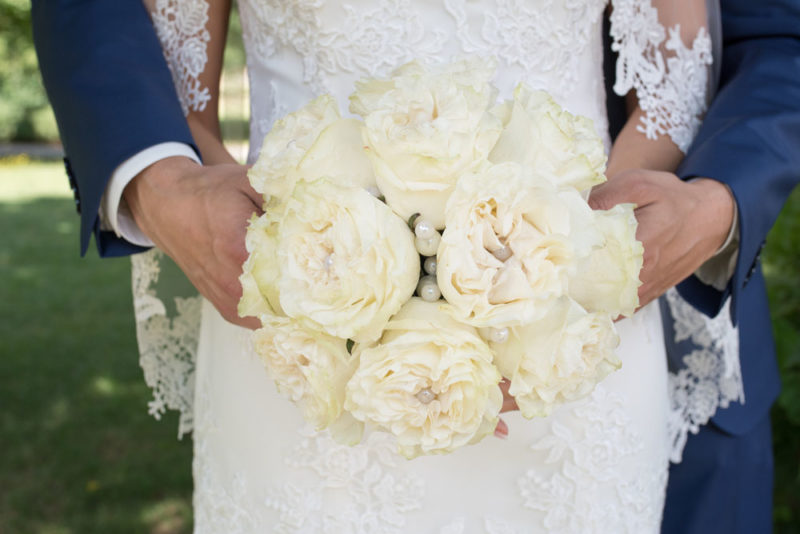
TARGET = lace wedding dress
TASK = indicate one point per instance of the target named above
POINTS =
(596, 465)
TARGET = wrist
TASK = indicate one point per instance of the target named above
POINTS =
(147, 190)
(714, 215)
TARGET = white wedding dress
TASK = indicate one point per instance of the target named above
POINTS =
(598, 465)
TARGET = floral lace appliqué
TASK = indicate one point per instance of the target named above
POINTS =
(167, 341)
(369, 41)
(671, 85)
(546, 39)
(712, 376)
(181, 28)
(377, 498)
(584, 464)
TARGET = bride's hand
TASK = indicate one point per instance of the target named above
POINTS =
(198, 216)
(681, 224)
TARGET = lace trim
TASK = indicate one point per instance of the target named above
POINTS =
(712, 377)
(672, 86)
(181, 28)
(167, 344)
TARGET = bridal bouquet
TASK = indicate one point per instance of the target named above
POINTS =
(406, 262)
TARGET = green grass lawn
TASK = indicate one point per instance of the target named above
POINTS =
(78, 452)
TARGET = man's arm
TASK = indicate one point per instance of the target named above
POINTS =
(750, 141)
(112, 94)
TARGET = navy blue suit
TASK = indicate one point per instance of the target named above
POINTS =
(113, 96)
(750, 140)
(111, 92)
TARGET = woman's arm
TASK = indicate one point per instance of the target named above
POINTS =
(668, 98)
(203, 119)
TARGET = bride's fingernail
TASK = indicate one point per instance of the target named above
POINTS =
(501, 430)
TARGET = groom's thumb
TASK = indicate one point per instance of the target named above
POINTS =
(602, 197)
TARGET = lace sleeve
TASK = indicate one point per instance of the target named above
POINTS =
(166, 306)
(181, 28)
(665, 55)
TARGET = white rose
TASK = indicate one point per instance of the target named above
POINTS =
(429, 381)
(539, 134)
(511, 243)
(311, 143)
(557, 359)
(260, 240)
(424, 128)
(607, 280)
(338, 260)
(311, 368)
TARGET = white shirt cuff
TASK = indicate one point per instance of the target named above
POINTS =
(114, 212)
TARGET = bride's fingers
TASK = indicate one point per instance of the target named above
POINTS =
(501, 430)
(509, 404)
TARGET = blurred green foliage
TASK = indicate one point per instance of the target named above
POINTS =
(782, 270)
(25, 114)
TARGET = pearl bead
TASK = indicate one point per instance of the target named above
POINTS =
(424, 229)
(328, 262)
(428, 247)
(425, 396)
(430, 265)
(498, 335)
(502, 253)
(428, 290)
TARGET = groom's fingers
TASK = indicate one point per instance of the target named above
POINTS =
(680, 224)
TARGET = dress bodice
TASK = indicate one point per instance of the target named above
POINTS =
(303, 48)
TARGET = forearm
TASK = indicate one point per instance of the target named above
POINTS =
(633, 150)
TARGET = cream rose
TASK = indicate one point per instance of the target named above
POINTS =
(559, 358)
(538, 133)
(309, 367)
(429, 381)
(311, 143)
(424, 127)
(511, 243)
(338, 260)
(607, 280)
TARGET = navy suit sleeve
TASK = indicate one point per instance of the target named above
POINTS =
(750, 139)
(112, 94)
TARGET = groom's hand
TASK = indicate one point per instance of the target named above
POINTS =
(681, 224)
(198, 216)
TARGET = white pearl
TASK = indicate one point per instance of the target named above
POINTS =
(498, 335)
(374, 191)
(430, 265)
(428, 247)
(502, 253)
(424, 229)
(425, 396)
(328, 262)
(428, 290)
